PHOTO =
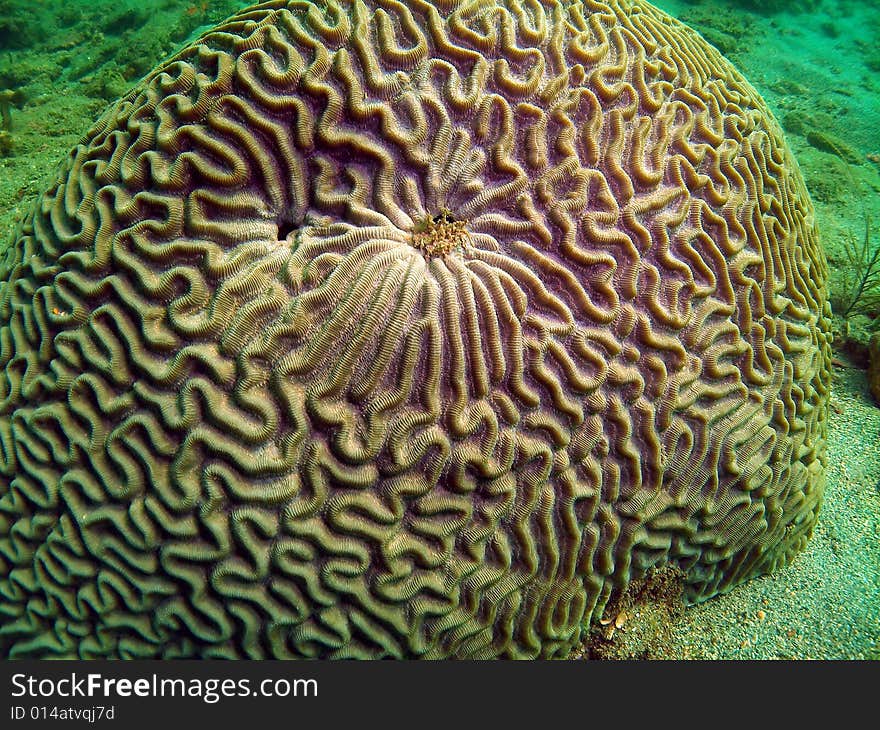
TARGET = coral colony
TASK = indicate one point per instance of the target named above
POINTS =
(408, 329)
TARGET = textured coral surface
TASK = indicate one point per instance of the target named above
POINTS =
(407, 329)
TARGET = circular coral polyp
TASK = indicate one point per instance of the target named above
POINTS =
(440, 235)
(408, 329)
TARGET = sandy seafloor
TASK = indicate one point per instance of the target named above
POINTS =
(819, 71)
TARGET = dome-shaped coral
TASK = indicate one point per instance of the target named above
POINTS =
(407, 329)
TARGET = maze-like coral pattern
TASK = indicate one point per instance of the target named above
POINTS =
(385, 328)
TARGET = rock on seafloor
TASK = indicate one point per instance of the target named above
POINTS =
(874, 367)
(407, 329)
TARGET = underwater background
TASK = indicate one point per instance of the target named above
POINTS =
(817, 65)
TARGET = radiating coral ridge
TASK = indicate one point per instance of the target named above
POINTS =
(407, 329)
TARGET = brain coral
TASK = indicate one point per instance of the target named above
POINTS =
(407, 329)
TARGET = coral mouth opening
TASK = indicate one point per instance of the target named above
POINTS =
(440, 235)
(286, 227)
